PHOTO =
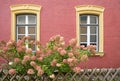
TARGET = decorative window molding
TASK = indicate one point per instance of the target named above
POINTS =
(93, 10)
(24, 9)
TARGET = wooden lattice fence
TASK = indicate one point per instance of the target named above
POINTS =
(85, 75)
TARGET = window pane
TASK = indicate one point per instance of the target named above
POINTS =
(92, 43)
(85, 44)
(83, 19)
(31, 30)
(83, 30)
(20, 36)
(21, 30)
(83, 38)
(21, 19)
(93, 19)
(93, 30)
(31, 19)
(32, 37)
(92, 38)
(33, 47)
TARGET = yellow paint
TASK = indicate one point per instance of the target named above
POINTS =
(21, 9)
(96, 10)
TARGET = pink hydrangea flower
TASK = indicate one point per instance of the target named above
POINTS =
(49, 51)
(32, 63)
(64, 60)
(55, 47)
(26, 57)
(53, 63)
(33, 57)
(12, 71)
(29, 51)
(73, 42)
(38, 68)
(38, 52)
(82, 46)
(30, 71)
(61, 39)
(19, 43)
(63, 52)
(70, 54)
(77, 69)
(40, 72)
(23, 62)
(26, 37)
(59, 49)
(16, 60)
(5, 49)
(40, 58)
(69, 60)
(19, 49)
(9, 43)
(23, 48)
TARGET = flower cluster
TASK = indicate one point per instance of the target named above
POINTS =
(55, 56)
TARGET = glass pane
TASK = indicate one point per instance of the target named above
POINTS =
(31, 19)
(21, 30)
(93, 30)
(85, 44)
(32, 37)
(93, 19)
(20, 36)
(83, 30)
(33, 46)
(31, 30)
(21, 19)
(92, 38)
(83, 38)
(92, 43)
(83, 19)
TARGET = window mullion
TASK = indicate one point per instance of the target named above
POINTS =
(88, 30)
(26, 22)
(26, 28)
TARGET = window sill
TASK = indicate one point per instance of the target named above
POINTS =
(101, 54)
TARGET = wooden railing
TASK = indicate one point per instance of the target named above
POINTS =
(85, 75)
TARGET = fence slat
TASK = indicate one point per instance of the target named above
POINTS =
(109, 70)
(118, 70)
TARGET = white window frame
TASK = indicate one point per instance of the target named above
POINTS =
(88, 31)
(26, 24)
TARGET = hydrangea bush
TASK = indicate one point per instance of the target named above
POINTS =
(55, 56)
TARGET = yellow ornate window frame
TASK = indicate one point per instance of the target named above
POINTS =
(96, 10)
(21, 9)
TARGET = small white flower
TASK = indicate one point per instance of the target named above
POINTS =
(10, 63)
(52, 76)
(58, 65)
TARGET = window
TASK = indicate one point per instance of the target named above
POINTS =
(89, 26)
(26, 26)
(89, 30)
(25, 21)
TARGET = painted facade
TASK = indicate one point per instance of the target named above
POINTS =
(59, 17)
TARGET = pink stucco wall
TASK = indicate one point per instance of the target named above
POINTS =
(59, 17)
